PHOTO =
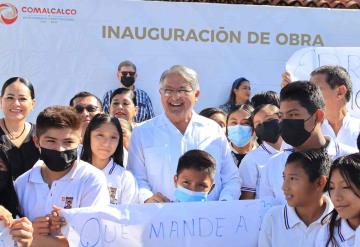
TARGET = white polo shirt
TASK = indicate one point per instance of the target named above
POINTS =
(272, 174)
(343, 234)
(347, 135)
(282, 227)
(155, 149)
(83, 186)
(121, 184)
(252, 163)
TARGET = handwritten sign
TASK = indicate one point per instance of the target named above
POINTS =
(304, 61)
(172, 224)
(5, 237)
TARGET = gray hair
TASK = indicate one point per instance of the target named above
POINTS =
(188, 74)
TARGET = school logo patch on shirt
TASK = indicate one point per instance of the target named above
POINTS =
(68, 201)
(113, 195)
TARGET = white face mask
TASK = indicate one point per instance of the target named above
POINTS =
(184, 195)
(239, 135)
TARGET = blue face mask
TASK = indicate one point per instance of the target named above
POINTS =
(239, 135)
(185, 195)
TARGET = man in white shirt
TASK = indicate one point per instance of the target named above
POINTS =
(336, 87)
(156, 145)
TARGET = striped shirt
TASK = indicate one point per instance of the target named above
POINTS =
(143, 102)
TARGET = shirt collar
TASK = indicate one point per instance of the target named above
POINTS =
(291, 218)
(110, 167)
(269, 149)
(36, 177)
(345, 231)
(166, 121)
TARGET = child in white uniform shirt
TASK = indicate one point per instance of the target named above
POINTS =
(344, 190)
(298, 222)
(103, 148)
(58, 178)
(265, 120)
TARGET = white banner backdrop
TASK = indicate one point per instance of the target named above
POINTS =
(302, 62)
(172, 224)
(65, 47)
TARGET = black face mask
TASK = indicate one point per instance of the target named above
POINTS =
(58, 160)
(293, 131)
(268, 131)
(127, 81)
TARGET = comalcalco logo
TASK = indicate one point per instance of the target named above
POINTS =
(8, 13)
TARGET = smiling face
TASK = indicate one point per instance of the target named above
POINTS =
(104, 141)
(16, 102)
(343, 196)
(123, 107)
(298, 189)
(178, 98)
(191, 179)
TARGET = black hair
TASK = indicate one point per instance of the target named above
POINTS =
(8, 197)
(198, 160)
(307, 94)
(261, 107)
(23, 81)
(315, 162)
(123, 90)
(236, 84)
(349, 168)
(83, 95)
(127, 63)
(58, 117)
(208, 112)
(358, 142)
(246, 107)
(95, 123)
(335, 76)
(264, 98)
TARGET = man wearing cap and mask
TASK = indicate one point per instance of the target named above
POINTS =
(126, 74)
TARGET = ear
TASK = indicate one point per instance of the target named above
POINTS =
(36, 141)
(118, 75)
(135, 76)
(33, 103)
(321, 183)
(175, 180)
(197, 93)
(341, 92)
(320, 115)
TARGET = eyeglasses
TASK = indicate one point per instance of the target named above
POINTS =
(125, 73)
(89, 108)
(180, 92)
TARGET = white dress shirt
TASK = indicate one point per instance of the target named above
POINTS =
(344, 235)
(121, 184)
(157, 145)
(347, 135)
(282, 227)
(272, 174)
(83, 186)
(252, 164)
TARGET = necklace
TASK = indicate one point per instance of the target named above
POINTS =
(10, 135)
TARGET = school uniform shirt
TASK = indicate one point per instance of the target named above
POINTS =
(157, 145)
(272, 174)
(343, 233)
(282, 226)
(252, 164)
(83, 186)
(347, 135)
(121, 184)
(125, 157)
